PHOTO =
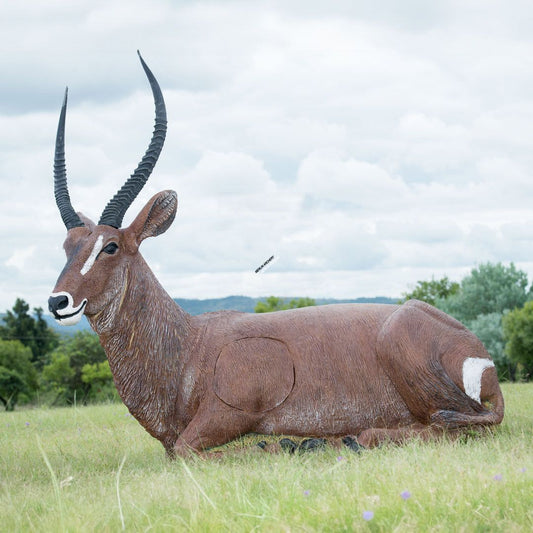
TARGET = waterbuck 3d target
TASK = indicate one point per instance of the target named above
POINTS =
(365, 373)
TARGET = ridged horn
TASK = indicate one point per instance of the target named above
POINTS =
(116, 209)
(69, 216)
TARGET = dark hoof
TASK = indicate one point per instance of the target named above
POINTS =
(311, 444)
(352, 443)
(287, 445)
(262, 444)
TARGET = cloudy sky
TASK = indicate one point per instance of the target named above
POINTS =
(366, 145)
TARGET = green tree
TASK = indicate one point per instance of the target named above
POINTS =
(70, 374)
(98, 376)
(479, 302)
(18, 377)
(32, 332)
(45, 338)
(274, 303)
(489, 330)
(518, 331)
(57, 375)
(432, 291)
(490, 288)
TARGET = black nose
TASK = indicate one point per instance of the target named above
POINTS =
(57, 302)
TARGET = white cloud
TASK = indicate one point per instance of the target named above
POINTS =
(432, 145)
(365, 147)
(19, 258)
(329, 176)
(224, 174)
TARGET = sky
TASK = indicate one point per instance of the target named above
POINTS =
(365, 145)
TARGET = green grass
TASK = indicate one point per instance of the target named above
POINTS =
(95, 469)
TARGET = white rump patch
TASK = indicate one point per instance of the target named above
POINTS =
(473, 368)
(98, 245)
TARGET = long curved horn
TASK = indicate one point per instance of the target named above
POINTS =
(116, 209)
(69, 216)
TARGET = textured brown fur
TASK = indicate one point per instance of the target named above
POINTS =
(378, 372)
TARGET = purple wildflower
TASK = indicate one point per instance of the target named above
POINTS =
(27, 424)
(498, 477)
(405, 495)
(368, 515)
(307, 492)
(340, 458)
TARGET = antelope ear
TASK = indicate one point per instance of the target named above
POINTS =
(156, 216)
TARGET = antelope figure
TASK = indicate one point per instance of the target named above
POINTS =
(368, 372)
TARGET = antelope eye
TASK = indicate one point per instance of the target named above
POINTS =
(110, 248)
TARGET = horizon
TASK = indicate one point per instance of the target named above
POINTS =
(255, 298)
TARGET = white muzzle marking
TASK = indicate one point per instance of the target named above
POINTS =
(98, 245)
(473, 368)
(69, 315)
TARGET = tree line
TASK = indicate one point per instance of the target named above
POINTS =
(495, 302)
(40, 366)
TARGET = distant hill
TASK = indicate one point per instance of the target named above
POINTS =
(235, 303)
(247, 304)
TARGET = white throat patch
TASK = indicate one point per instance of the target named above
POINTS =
(98, 245)
(473, 368)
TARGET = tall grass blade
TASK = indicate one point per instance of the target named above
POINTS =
(55, 483)
(189, 473)
(118, 494)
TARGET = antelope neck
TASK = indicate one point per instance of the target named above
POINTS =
(143, 304)
(144, 334)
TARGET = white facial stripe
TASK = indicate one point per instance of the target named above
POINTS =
(98, 245)
(473, 368)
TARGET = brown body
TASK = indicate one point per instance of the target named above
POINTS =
(372, 371)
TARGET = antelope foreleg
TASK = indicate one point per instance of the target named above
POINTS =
(212, 426)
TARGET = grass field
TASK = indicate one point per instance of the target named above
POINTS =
(95, 469)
